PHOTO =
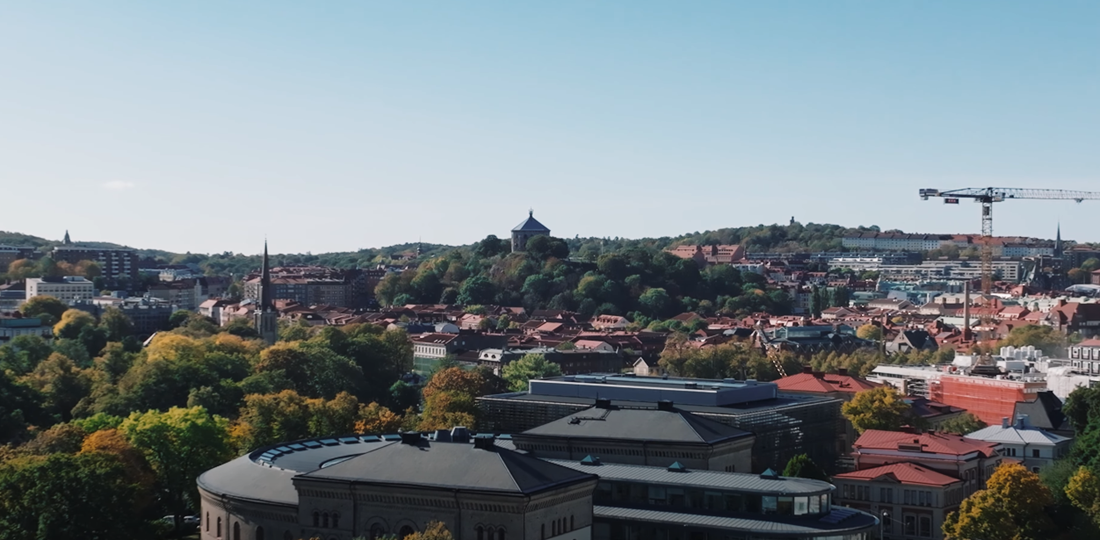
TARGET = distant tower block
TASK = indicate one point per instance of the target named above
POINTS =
(527, 230)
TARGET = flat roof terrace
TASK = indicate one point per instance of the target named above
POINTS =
(699, 392)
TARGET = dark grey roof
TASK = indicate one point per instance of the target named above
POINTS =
(838, 521)
(246, 479)
(1045, 411)
(531, 225)
(638, 425)
(453, 466)
(780, 402)
(742, 482)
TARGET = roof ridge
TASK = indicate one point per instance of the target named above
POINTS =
(690, 425)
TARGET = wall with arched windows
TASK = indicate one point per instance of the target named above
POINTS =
(227, 519)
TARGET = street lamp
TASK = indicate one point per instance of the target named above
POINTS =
(882, 524)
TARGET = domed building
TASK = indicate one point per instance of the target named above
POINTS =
(483, 488)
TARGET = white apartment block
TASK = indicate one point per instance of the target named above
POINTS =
(68, 289)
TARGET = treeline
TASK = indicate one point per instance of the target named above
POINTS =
(635, 282)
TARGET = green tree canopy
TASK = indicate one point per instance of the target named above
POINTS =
(530, 366)
(878, 408)
(962, 424)
(801, 466)
(1013, 505)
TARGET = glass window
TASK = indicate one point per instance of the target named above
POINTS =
(734, 503)
(676, 497)
(768, 504)
(801, 505)
(910, 525)
(925, 526)
(657, 495)
(714, 501)
(786, 506)
(752, 503)
(603, 491)
(621, 491)
(695, 498)
(815, 504)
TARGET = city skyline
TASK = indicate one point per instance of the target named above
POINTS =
(359, 126)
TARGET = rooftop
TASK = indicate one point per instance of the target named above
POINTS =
(531, 225)
(639, 425)
(905, 473)
(705, 392)
(933, 443)
(742, 482)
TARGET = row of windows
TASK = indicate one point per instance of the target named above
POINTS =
(912, 497)
(911, 525)
(323, 520)
(558, 526)
(712, 500)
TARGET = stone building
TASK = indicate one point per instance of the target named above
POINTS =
(527, 230)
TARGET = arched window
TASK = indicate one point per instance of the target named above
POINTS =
(208, 522)
(500, 534)
(492, 536)
(336, 521)
(377, 531)
(316, 519)
(543, 531)
(259, 533)
(405, 531)
(219, 527)
(571, 526)
(554, 528)
(480, 532)
(237, 530)
(324, 518)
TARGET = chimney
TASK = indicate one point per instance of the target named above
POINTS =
(485, 442)
(603, 403)
(1004, 422)
(665, 405)
(807, 369)
(1021, 421)
(966, 310)
(412, 438)
(842, 371)
(460, 434)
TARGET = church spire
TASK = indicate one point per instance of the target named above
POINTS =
(1058, 241)
(66, 241)
(265, 283)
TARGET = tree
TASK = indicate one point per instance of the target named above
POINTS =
(435, 530)
(111, 441)
(19, 404)
(178, 318)
(477, 290)
(878, 408)
(1083, 490)
(801, 466)
(69, 497)
(316, 370)
(963, 424)
(655, 302)
(61, 382)
(870, 332)
(841, 297)
(376, 419)
(1013, 505)
(530, 366)
(72, 322)
(180, 444)
(1045, 338)
(59, 439)
(543, 247)
(44, 305)
(449, 398)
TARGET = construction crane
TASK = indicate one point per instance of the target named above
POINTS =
(987, 196)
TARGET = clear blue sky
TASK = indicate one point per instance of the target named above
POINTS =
(204, 126)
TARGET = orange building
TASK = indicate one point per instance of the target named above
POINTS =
(987, 398)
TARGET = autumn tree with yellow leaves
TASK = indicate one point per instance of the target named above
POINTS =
(1011, 507)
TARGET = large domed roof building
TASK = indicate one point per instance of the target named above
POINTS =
(527, 230)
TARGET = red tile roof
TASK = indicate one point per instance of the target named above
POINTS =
(1090, 343)
(933, 443)
(824, 383)
(905, 473)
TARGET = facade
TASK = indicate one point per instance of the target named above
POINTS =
(148, 315)
(115, 263)
(658, 437)
(527, 230)
(68, 289)
(989, 399)
(784, 424)
(372, 486)
(312, 286)
(912, 501)
(952, 269)
(13, 326)
(1034, 447)
(10, 254)
(969, 460)
(572, 362)
(839, 386)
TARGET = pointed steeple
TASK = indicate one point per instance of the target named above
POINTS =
(67, 241)
(1058, 241)
(265, 284)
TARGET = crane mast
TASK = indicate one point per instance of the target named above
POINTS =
(987, 196)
